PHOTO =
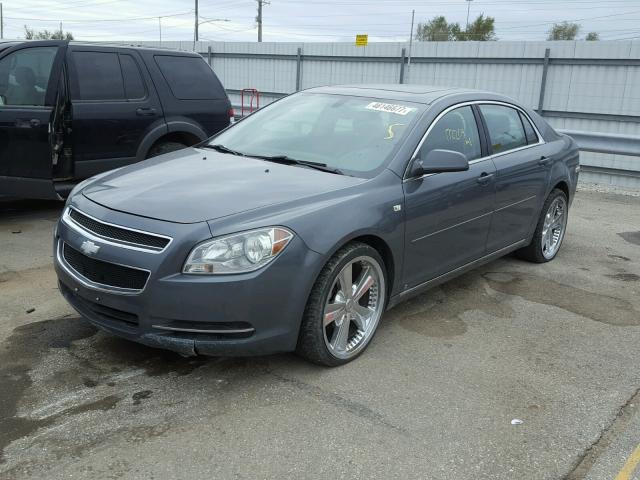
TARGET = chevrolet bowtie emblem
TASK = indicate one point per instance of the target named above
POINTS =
(89, 248)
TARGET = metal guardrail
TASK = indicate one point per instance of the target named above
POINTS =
(607, 143)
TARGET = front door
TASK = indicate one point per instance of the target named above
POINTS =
(29, 77)
(114, 106)
(522, 173)
(448, 214)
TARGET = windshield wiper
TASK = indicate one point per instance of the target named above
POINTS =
(304, 163)
(221, 148)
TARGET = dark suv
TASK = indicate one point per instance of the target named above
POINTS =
(69, 111)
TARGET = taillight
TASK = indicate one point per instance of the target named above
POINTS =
(232, 114)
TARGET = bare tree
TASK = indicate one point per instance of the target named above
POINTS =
(31, 34)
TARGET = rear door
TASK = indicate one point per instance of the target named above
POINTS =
(114, 107)
(29, 77)
(522, 174)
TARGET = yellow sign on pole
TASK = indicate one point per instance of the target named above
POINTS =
(362, 40)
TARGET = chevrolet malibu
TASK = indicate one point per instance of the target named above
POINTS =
(297, 227)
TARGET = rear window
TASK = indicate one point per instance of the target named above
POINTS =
(133, 84)
(99, 76)
(190, 78)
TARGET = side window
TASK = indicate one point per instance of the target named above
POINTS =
(457, 130)
(190, 78)
(529, 131)
(505, 128)
(24, 75)
(133, 83)
(99, 76)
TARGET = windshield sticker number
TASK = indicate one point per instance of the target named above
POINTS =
(389, 108)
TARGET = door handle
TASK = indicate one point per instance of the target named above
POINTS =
(544, 161)
(484, 178)
(145, 111)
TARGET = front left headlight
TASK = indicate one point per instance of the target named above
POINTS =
(238, 253)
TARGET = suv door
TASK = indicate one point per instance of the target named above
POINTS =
(29, 77)
(114, 107)
(448, 214)
(522, 174)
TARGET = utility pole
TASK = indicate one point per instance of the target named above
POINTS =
(195, 31)
(468, 8)
(413, 15)
(259, 17)
(160, 28)
(61, 34)
(1, 22)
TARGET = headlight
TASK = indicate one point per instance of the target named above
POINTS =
(238, 253)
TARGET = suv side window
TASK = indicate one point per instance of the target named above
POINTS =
(505, 127)
(529, 131)
(190, 78)
(133, 83)
(24, 75)
(99, 76)
(457, 130)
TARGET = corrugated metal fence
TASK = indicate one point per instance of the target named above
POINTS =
(578, 86)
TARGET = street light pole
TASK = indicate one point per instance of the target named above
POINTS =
(160, 28)
(468, 8)
(413, 15)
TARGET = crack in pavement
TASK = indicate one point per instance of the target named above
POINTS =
(336, 400)
(591, 454)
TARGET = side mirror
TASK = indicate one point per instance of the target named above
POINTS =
(439, 161)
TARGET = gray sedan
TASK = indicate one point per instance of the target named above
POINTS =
(297, 227)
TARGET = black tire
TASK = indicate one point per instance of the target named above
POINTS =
(164, 147)
(533, 252)
(311, 340)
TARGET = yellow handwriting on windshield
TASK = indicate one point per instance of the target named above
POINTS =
(390, 130)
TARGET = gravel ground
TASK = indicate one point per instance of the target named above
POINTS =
(552, 345)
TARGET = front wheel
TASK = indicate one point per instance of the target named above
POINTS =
(550, 229)
(345, 306)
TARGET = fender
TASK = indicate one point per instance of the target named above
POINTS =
(187, 127)
(149, 140)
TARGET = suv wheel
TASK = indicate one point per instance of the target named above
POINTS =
(345, 306)
(164, 147)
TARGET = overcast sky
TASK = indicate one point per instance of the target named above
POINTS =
(311, 20)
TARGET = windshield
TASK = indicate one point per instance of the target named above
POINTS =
(355, 135)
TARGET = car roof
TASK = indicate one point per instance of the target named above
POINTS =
(100, 45)
(410, 93)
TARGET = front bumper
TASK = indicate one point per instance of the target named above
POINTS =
(245, 314)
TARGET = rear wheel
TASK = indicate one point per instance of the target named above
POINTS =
(550, 230)
(164, 147)
(345, 306)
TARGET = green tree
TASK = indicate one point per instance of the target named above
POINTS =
(435, 30)
(31, 34)
(439, 30)
(564, 31)
(482, 29)
(592, 36)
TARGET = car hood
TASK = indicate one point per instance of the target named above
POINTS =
(195, 185)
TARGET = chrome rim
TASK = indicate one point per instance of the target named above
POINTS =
(353, 307)
(555, 221)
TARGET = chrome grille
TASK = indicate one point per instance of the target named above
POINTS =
(117, 233)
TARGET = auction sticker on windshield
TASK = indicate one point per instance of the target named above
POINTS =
(390, 108)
